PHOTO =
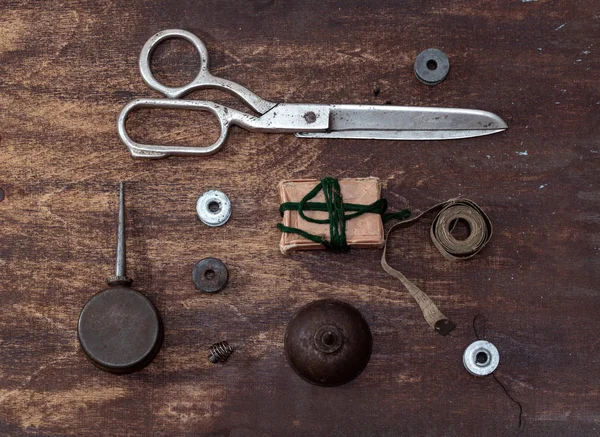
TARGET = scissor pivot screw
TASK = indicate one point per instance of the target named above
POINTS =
(213, 208)
(310, 117)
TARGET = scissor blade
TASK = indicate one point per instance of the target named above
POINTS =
(407, 123)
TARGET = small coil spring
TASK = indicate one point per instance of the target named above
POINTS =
(219, 352)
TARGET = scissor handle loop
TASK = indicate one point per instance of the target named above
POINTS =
(203, 77)
(139, 150)
(203, 80)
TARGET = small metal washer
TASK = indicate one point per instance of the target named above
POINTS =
(480, 367)
(431, 66)
(210, 275)
(218, 201)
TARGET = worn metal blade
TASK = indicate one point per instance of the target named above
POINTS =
(407, 123)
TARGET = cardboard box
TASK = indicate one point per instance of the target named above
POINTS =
(365, 231)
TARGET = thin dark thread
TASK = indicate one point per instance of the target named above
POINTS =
(484, 323)
(511, 398)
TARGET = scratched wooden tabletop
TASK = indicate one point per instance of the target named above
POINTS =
(67, 69)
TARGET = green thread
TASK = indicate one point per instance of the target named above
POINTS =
(336, 208)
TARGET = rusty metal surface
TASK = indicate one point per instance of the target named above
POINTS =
(328, 342)
(120, 330)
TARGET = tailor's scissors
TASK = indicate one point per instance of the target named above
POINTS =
(382, 122)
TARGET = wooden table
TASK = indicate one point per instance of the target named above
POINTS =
(66, 70)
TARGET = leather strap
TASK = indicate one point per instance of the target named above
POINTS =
(448, 214)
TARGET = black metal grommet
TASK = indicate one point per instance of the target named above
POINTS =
(210, 275)
(431, 66)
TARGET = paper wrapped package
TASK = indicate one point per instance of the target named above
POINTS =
(365, 231)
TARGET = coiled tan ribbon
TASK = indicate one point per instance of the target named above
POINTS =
(452, 249)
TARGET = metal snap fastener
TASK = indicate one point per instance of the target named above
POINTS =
(213, 208)
(481, 358)
(210, 275)
(431, 66)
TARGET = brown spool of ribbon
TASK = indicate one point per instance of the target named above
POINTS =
(447, 215)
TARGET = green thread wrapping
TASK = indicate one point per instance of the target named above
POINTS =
(336, 208)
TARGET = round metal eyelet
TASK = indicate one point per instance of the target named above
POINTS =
(213, 208)
(481, 358)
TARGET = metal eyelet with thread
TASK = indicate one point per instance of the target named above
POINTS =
(481, 358)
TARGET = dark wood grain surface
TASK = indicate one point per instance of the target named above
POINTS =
(66, 70)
